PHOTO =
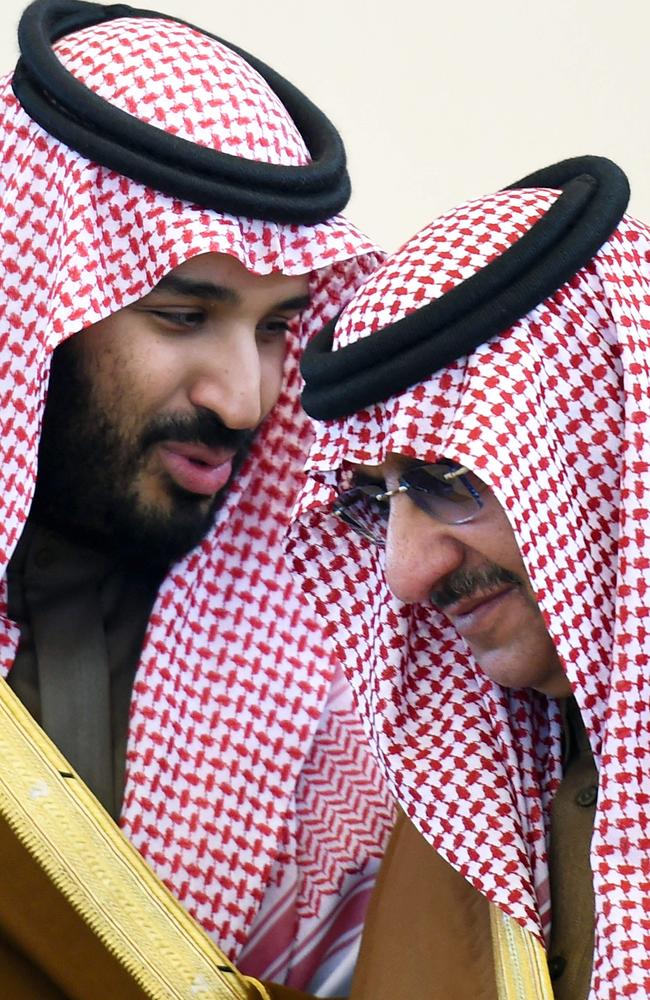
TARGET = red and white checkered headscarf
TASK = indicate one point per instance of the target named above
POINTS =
(554, 414)
(247, 773)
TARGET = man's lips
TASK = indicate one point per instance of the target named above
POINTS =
(195, 467)
(470, 612)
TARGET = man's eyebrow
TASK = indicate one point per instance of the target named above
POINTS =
(219, 293)
(197, 289)
(297, 304)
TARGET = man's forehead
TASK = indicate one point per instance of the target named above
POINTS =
(210, 265)
(394, 462)
(222, 277)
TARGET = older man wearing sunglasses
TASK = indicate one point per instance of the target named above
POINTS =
(475, 533)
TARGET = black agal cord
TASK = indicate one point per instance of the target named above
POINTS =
(595, 194)
(81, 119)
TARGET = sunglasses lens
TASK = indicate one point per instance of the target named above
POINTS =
(368, 516)
(438, 491)
(445, 491)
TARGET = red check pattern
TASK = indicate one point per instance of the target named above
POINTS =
(554, 414)
(229, 735)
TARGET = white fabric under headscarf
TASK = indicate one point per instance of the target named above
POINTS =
(246, 776)
(554, 415)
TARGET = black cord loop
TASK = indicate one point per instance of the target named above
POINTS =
(595, 193)
(101, 132)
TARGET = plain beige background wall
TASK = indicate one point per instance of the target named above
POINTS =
(442, 101)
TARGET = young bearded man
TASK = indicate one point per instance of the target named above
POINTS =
(474, 532)
(170, 239)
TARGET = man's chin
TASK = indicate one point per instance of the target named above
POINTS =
(161, 537)
(512, 671)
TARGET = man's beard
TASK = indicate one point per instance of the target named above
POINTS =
(88, 465)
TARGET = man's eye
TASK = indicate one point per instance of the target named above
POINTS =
(367, 483)
(188, 319)
(273, 328)
(361, 479)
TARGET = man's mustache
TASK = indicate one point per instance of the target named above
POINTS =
(200, 427)
(468, 582)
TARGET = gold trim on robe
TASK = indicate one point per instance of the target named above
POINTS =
(78, 901)
(520, 961)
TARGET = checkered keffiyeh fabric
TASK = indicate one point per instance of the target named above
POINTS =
(233, 700)
(554, 414)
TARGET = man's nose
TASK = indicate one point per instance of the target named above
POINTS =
(227, 380)
(420, 551)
